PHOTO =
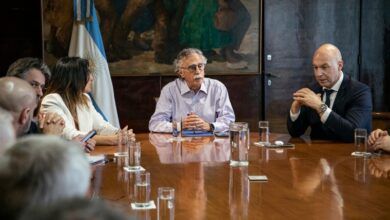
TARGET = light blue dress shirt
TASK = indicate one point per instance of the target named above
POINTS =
(211, 103)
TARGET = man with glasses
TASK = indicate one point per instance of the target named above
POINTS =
(200, 103)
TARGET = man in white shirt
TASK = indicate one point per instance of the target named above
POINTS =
(201, 103)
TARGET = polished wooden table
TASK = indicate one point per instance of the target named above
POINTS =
(313, 180)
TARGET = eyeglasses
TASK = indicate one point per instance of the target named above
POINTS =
(192, 68)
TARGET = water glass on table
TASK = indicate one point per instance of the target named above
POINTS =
(166, 203)
(123, 141)
(239, 143)
(263, 133)
(142, 189)
(134, 161)
(176, 129)
(360, 143)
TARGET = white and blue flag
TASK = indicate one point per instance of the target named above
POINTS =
(86, 42)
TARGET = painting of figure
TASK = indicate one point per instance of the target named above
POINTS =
(142, 37)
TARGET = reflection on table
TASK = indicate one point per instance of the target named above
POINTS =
(314, 180)
(194, 149)
(379, 166)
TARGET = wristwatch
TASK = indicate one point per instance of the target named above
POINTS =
(211, 127)
(323, 108)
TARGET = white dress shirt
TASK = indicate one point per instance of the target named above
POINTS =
(332, 97)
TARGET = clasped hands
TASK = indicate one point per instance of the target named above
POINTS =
(129, 132)
(305, 97)
(194, 122)
(51, 123)
(379, 139)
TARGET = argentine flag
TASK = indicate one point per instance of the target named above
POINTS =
(86, 42)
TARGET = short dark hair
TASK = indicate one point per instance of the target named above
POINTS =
(22, 66)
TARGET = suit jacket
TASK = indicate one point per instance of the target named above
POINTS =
(351, 109)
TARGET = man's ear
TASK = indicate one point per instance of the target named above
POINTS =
(180, 73)
(340, 65)
(24, 116)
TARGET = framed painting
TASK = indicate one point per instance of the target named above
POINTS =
(143, 37)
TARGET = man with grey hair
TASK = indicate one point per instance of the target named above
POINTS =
(39, 170)
(200, 103)
(7, 132)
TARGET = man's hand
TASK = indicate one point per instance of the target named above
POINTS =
(131, 135)
(194, 122)
(307, 98)
(375, 135)
(382, 142)
(295, 107)
(51, 123)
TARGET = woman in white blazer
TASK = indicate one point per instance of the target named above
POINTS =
(67, 96)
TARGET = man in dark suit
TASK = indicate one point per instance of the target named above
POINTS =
(335, 105)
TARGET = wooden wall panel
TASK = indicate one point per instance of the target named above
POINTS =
(135, 102)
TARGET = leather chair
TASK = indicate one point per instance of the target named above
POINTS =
(381, 120)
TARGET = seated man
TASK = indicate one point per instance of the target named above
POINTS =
(19, 98)
(33, 70)
(40, 170)
(36, 73)
(379, 140)
(201, 103)
(7, 132)
(344, 106)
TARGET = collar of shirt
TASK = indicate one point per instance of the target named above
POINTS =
(185, 89)
(337, 85)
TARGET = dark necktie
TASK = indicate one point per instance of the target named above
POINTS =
(328, 92)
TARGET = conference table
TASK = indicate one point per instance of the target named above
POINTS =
(311, 180)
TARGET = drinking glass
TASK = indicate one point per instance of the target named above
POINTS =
(360, 143)
(176, 130)
(239, 143)
(263, 133)
(142, 189)
(123, 140)
(166, 203)
(134, 156)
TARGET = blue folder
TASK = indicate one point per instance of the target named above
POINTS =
(194, 133)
